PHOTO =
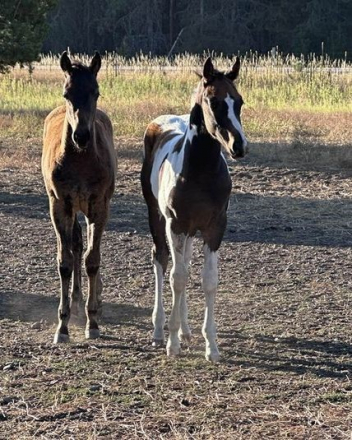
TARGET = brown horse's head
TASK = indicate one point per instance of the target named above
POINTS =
(221, 104)
(81, 92)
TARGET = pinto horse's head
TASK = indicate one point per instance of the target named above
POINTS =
(221, 104)
(81, 92)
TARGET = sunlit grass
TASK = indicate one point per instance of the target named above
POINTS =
(137, 90)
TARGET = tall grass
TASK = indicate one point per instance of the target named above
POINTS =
(134, 91)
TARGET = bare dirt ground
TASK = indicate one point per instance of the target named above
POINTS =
(283, 314)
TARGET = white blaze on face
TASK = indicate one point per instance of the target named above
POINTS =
(235, 122)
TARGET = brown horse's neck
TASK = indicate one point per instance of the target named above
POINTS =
(67, 141)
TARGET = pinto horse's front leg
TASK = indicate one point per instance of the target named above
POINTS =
(210, 285)
(185, 332)
(96, 224)
(62, 218)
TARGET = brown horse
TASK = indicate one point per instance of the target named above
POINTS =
(79, 170)
(186, 184)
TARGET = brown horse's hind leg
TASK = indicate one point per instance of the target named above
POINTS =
(77, 248)
(62, 218)
(96, 225)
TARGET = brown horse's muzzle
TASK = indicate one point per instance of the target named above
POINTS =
(81, 138)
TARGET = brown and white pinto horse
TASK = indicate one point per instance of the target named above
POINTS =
(79, 170)
(186, 185)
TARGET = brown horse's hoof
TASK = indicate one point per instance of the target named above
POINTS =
(92, 333)
(60, 338)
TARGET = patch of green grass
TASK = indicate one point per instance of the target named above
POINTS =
(134, 97)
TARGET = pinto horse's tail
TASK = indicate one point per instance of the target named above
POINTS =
(150, 136)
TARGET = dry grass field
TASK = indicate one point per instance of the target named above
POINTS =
(285, 296)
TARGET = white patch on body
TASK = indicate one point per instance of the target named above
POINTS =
(234, 120)
(171, 162)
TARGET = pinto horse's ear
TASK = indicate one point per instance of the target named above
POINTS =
(65, 63)
(95, 64)
(233, 74)
(208, 70)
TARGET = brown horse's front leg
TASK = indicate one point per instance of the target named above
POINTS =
(63, 223)
(96, 225)
(77, 248)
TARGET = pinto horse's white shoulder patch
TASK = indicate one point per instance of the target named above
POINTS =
(168, 159)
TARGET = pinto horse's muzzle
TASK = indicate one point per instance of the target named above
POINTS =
(239, 148)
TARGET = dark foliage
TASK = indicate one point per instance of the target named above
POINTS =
(130, 26)
(23, 27)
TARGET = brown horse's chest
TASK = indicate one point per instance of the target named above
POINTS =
(82, 183)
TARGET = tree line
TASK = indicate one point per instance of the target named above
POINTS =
(163, 27)
(228, 26)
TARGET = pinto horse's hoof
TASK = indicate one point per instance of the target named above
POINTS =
(173, 351)
(212, 357)
(92, 333)
(158, 342)
(61, 338)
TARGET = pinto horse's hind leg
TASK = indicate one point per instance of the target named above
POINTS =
(178, 280)
(96, 224)
(160, 255)
(62, 218)
(77, 248)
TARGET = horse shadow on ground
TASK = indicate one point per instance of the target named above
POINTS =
(258, 218)
(290, 220)
(326, 358)
(31, 308)
(31, 206)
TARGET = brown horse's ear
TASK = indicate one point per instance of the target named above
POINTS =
(208, 70)
(233, 74)
(95, 64)
(65, 63)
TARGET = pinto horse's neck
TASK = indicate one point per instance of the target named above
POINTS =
(204, 150)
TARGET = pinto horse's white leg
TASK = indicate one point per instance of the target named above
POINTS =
(178, 279)
(210, 285)
(185, 332)
(158, 317)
